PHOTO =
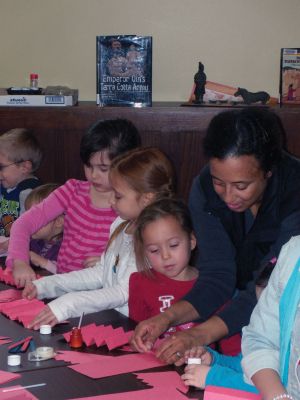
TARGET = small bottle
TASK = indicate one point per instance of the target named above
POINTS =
(76, 338)
(34, 81)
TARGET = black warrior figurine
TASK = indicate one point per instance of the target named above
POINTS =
(200, 81)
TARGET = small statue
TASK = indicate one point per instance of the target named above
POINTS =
(200, 81)
(250, 97)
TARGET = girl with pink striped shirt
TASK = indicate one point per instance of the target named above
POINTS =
(88, 214)
(139, 177)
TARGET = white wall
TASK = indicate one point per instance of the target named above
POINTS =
(238, 41)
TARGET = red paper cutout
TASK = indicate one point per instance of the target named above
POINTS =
(22, 310)
(167, 387)
(10, 295)
(7, 377)
(21, 394)
(118, 365)
(101, 335)
(221, 393)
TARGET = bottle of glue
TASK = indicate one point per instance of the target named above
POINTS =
(76, 338)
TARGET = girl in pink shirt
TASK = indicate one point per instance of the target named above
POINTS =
(85, 204)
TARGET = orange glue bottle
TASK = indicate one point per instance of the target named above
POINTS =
(76, 338)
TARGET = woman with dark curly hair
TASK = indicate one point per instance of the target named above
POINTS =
(245, 205)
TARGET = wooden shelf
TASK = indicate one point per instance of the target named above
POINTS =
(177, 130)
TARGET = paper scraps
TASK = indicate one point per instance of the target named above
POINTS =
(19, 394)
(22, 310)
(222, 393)
(10, 295)
(7, 377)
(166, 385)
(98, 366)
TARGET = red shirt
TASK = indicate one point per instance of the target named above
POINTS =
(151, 296)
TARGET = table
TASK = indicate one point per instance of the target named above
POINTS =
(62, 382)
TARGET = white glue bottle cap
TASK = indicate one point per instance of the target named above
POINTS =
(45, 329)
(191, 361)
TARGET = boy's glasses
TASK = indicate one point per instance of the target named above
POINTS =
(2, 167)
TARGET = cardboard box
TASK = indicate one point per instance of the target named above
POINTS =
(42, 100)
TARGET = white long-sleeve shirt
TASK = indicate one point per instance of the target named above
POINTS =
(102, 287)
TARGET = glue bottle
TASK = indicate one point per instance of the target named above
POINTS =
(76, 338)
(34, 81)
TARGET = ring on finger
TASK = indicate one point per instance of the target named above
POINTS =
(178, 354)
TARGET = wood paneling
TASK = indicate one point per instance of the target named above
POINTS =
(178, 131)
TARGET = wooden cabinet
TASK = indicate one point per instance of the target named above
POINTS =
(176, 130)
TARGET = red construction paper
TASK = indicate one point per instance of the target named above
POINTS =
(77, 357)
(5, 341)
(118, 340)
(7, 276)
(159, 379)
(23, 310)
(19, 342)
(7, 377)
(146, 394)
(10, 295)
(166, 388)
(221, 393)
(88, 334)
(21, 394)
(102, 333)
(118, 365)
(128, 349)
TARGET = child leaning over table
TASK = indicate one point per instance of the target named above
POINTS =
(217, 369)
(270, 344)
(45, 243)
(20, 157)
(163, 242)
(85, 204)
(138, 178)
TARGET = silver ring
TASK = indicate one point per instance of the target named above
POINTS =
(178, 354)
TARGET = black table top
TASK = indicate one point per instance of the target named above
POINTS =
(63, 383)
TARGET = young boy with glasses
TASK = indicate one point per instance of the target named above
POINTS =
(20, 157)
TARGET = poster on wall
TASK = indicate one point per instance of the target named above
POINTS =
(290, 76)
(124, 70)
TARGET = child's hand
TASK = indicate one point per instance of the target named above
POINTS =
(90, 262)
(195, 375)
(199, 352)
(22, 273)
(29, 291)
(45, 317)
(37, 260)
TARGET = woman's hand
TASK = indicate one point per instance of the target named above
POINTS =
(29, 291)
(172, 350)
(148, 331)
(22, 273)
(195, 375)
(45, 317)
